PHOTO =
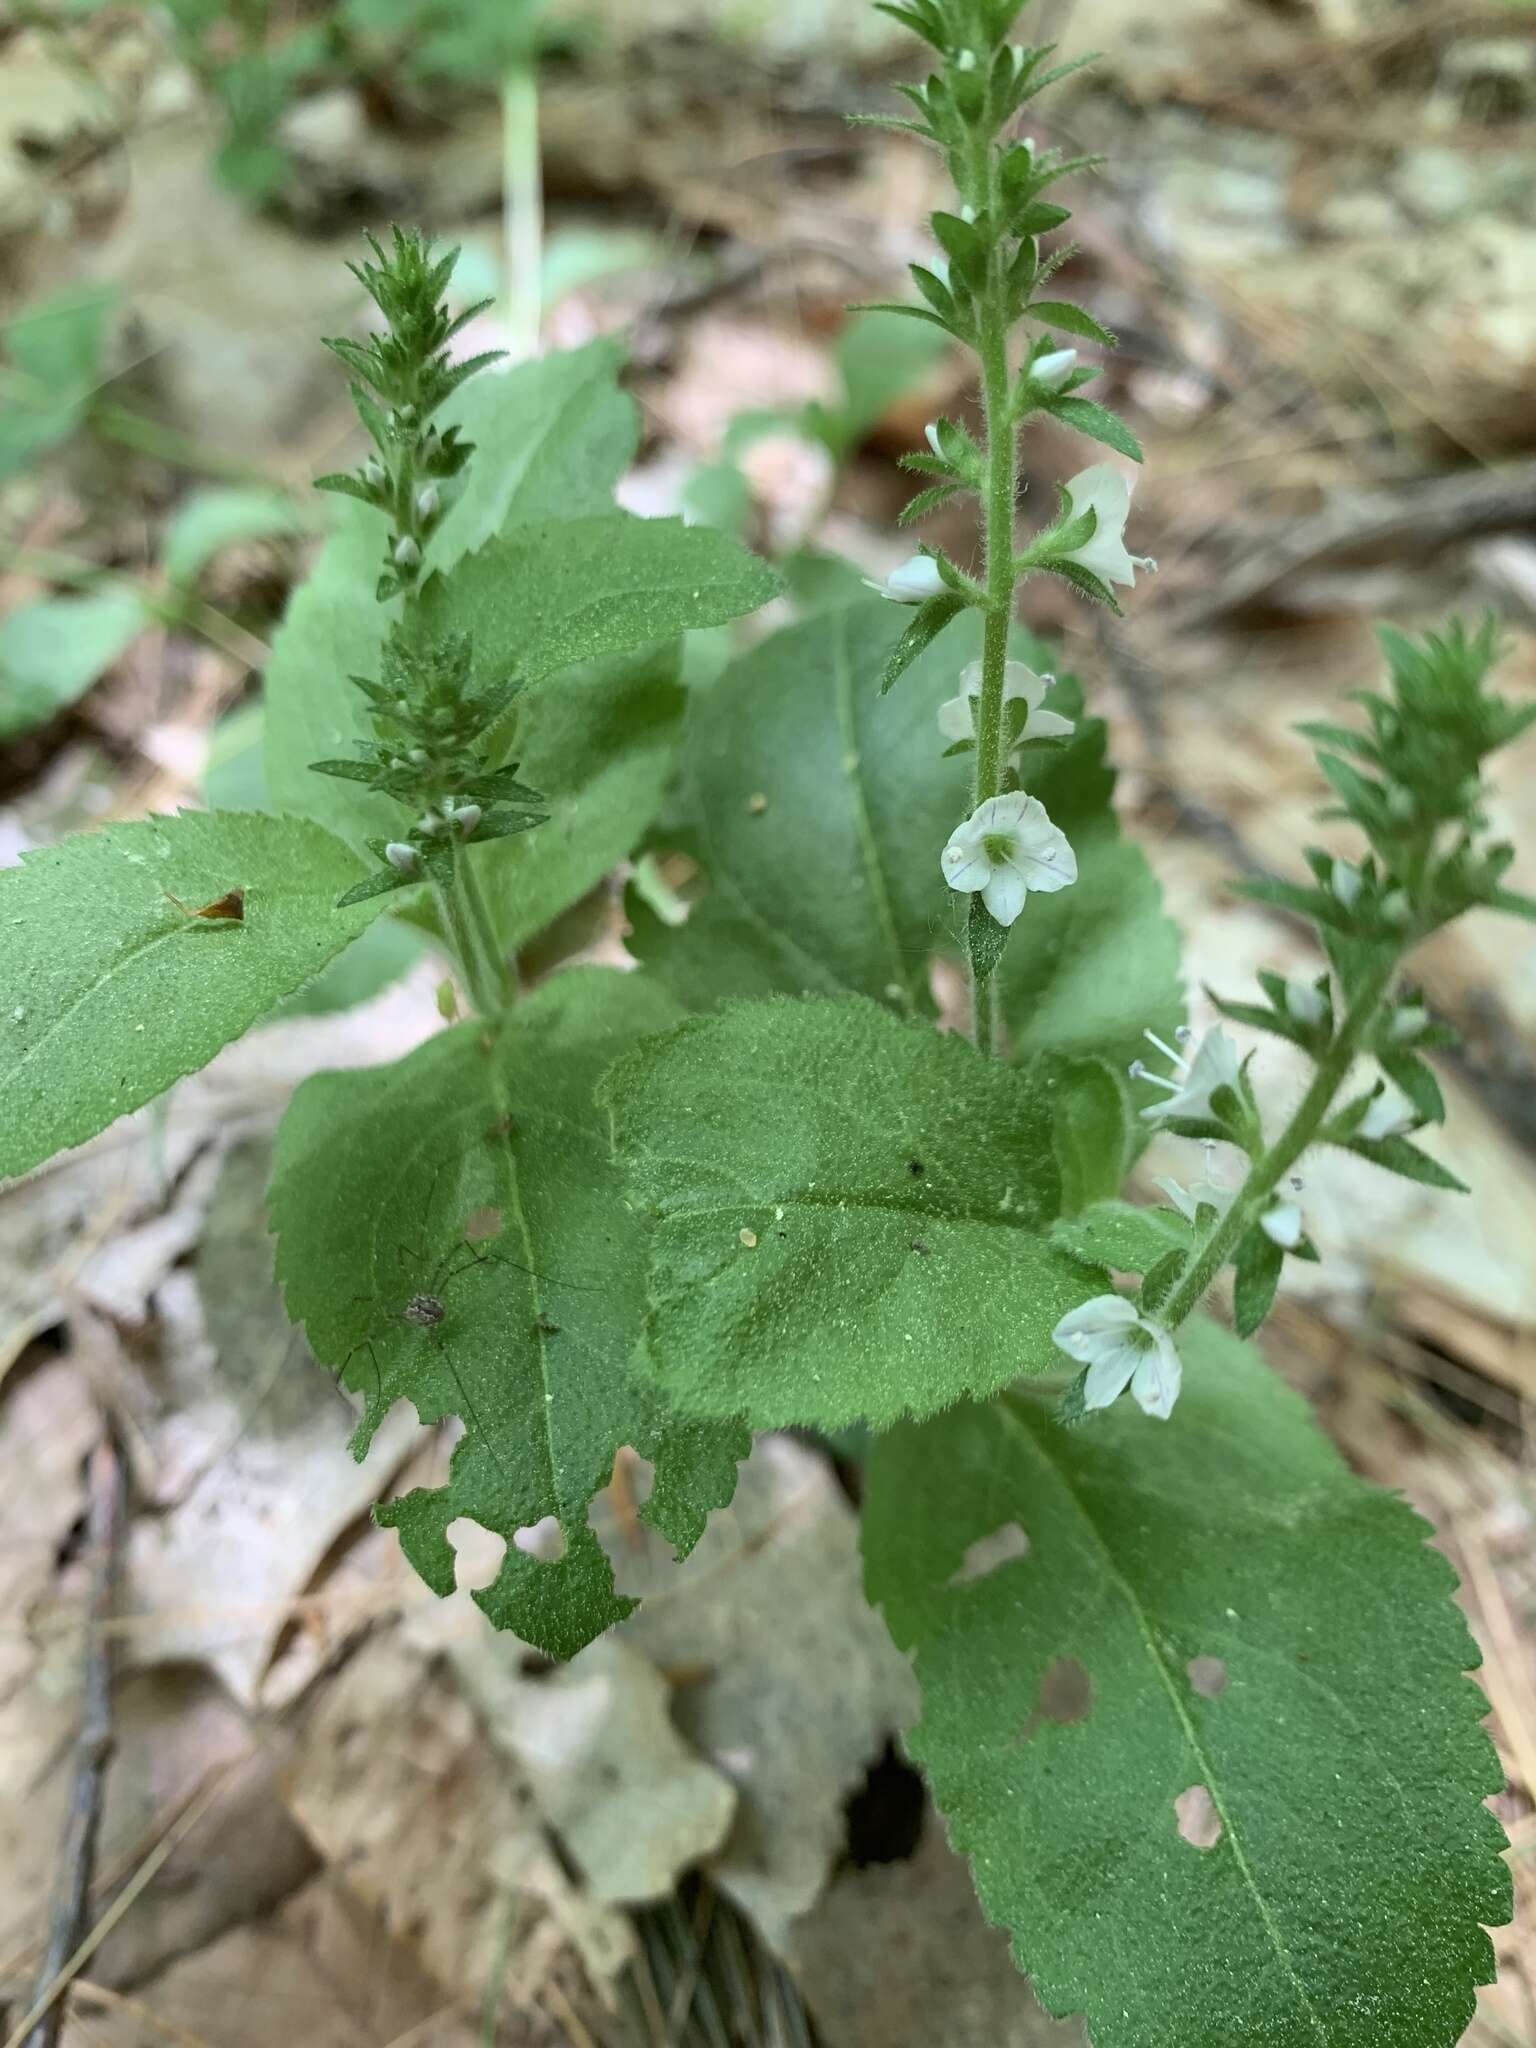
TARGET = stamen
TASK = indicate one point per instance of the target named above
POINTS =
(1162, 1081)
(1166, 1050)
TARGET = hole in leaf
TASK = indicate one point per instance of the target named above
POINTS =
(478, 1555)
(1199, 1822)
(1066, 1693)
(1208, 1676)
(544, 1540)
(885, 1814)
(988, 1552)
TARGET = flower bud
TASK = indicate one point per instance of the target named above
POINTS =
(1051, 371)
(466, 820)
(1282, 1225)
(427, 502)
(402, 857)
(1304, 1002)
(931, 436)
(1346, 879)
(1394, 907)
(373, 473)
(1408, 1023)
(916, 580)
(407, 554)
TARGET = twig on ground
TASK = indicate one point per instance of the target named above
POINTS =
(108, 1494)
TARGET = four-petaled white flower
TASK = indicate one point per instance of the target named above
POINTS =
(1103, 491)
(1018, 681)
(1194, 1081)
(1051, 371)
(1389, 1116)
(1007, 847)
(914, 581)
(1121, 1348)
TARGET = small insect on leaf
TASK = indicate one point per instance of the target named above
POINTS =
(226, 909)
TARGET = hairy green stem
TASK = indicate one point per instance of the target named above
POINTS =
(472, 937)
(1270, 1168)
(1001, 582)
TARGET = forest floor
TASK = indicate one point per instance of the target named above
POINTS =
(337, 1810)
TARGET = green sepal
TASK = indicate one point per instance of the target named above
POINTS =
(1084, 580)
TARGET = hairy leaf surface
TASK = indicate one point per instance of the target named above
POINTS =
(112, 992)
(851, 1213)
(1208, 1742)
(477, 1173)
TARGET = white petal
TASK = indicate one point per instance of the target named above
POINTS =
(1158, 1377)
(1049, 725)
(1105, 492)
(964, 860)
(1042, 850)
(1005, 894)
(955, 718)
(1180, 1197)
(1112, 1371)
(1004, 813)
(1083, 1329)
(916, 579)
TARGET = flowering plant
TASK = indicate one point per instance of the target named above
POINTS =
(1202, 1724)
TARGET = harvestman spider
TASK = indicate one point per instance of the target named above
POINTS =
(427, 1307)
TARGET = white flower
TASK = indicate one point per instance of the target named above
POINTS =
(1007, 847)
(1018, 681)
(1215, 1065)
(1208, 1192)
(1103, 491)
(917, 578)
(1121, 1349)
(1282, 1225)
(1390, 1116)
(1051, 371)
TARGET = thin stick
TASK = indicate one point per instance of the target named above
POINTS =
(108, 1509)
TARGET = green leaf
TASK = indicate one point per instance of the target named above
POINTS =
(1256, 1276)
(1090, 1128)
(928, 622)
(1072, 319)
(1213, 1602)
(477, 1173)
(552, 437)
(114, 992)
(215, 519)
(794, 748)
(851, 1213)
(598, 743)
(1415, 1079)
(1399, 1155)
(52, 651)
(985, 940)
(1099, 423)
(545, 596)
(1120, 1235)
